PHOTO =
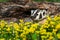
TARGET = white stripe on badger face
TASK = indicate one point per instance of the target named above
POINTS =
(33, 12)
(37, 17)
(40, 13)
(44, 15)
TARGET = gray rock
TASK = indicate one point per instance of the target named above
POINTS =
(28, 20)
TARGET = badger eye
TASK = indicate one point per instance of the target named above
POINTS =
(43, 13)
(36, 14)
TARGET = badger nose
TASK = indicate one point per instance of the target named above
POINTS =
(32, 17)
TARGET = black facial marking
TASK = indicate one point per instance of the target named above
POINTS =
(36, 13)
(43, 13)
(40, 16)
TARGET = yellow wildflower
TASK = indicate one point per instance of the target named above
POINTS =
(11, 23)
(44, 26)
(52, 23)
(21, 25)
(49, 33)
(25, 28)
(54, 31)
(6, 25)
(43, 31)
(16, 26)
(43, 37)
(27, 23)
(2, 21)
(48, 18)
(8, 29)
(0, 28)
(58, 35)
(51, 37)
(16, 35)
(10, 39)
(25, 32)
(55, 17)
(22, 35)
(34, 25)
(2, 39)
(5, 22)
(24, 38)
(37, 32)
(2, 24)
(20, 30)
(58, 26)
(21, 20)
(31, 29)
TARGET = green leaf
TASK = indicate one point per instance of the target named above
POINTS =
(34, 36)
(58, 31)
(29, 36)
(55, 38)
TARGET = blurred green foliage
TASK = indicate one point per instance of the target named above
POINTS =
(48, 0)
(3, 0)
(36, 0)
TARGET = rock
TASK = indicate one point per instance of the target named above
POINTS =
(28, 20)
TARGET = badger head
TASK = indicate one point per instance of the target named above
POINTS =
(38, 14)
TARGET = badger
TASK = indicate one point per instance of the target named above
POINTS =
(38, 14)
